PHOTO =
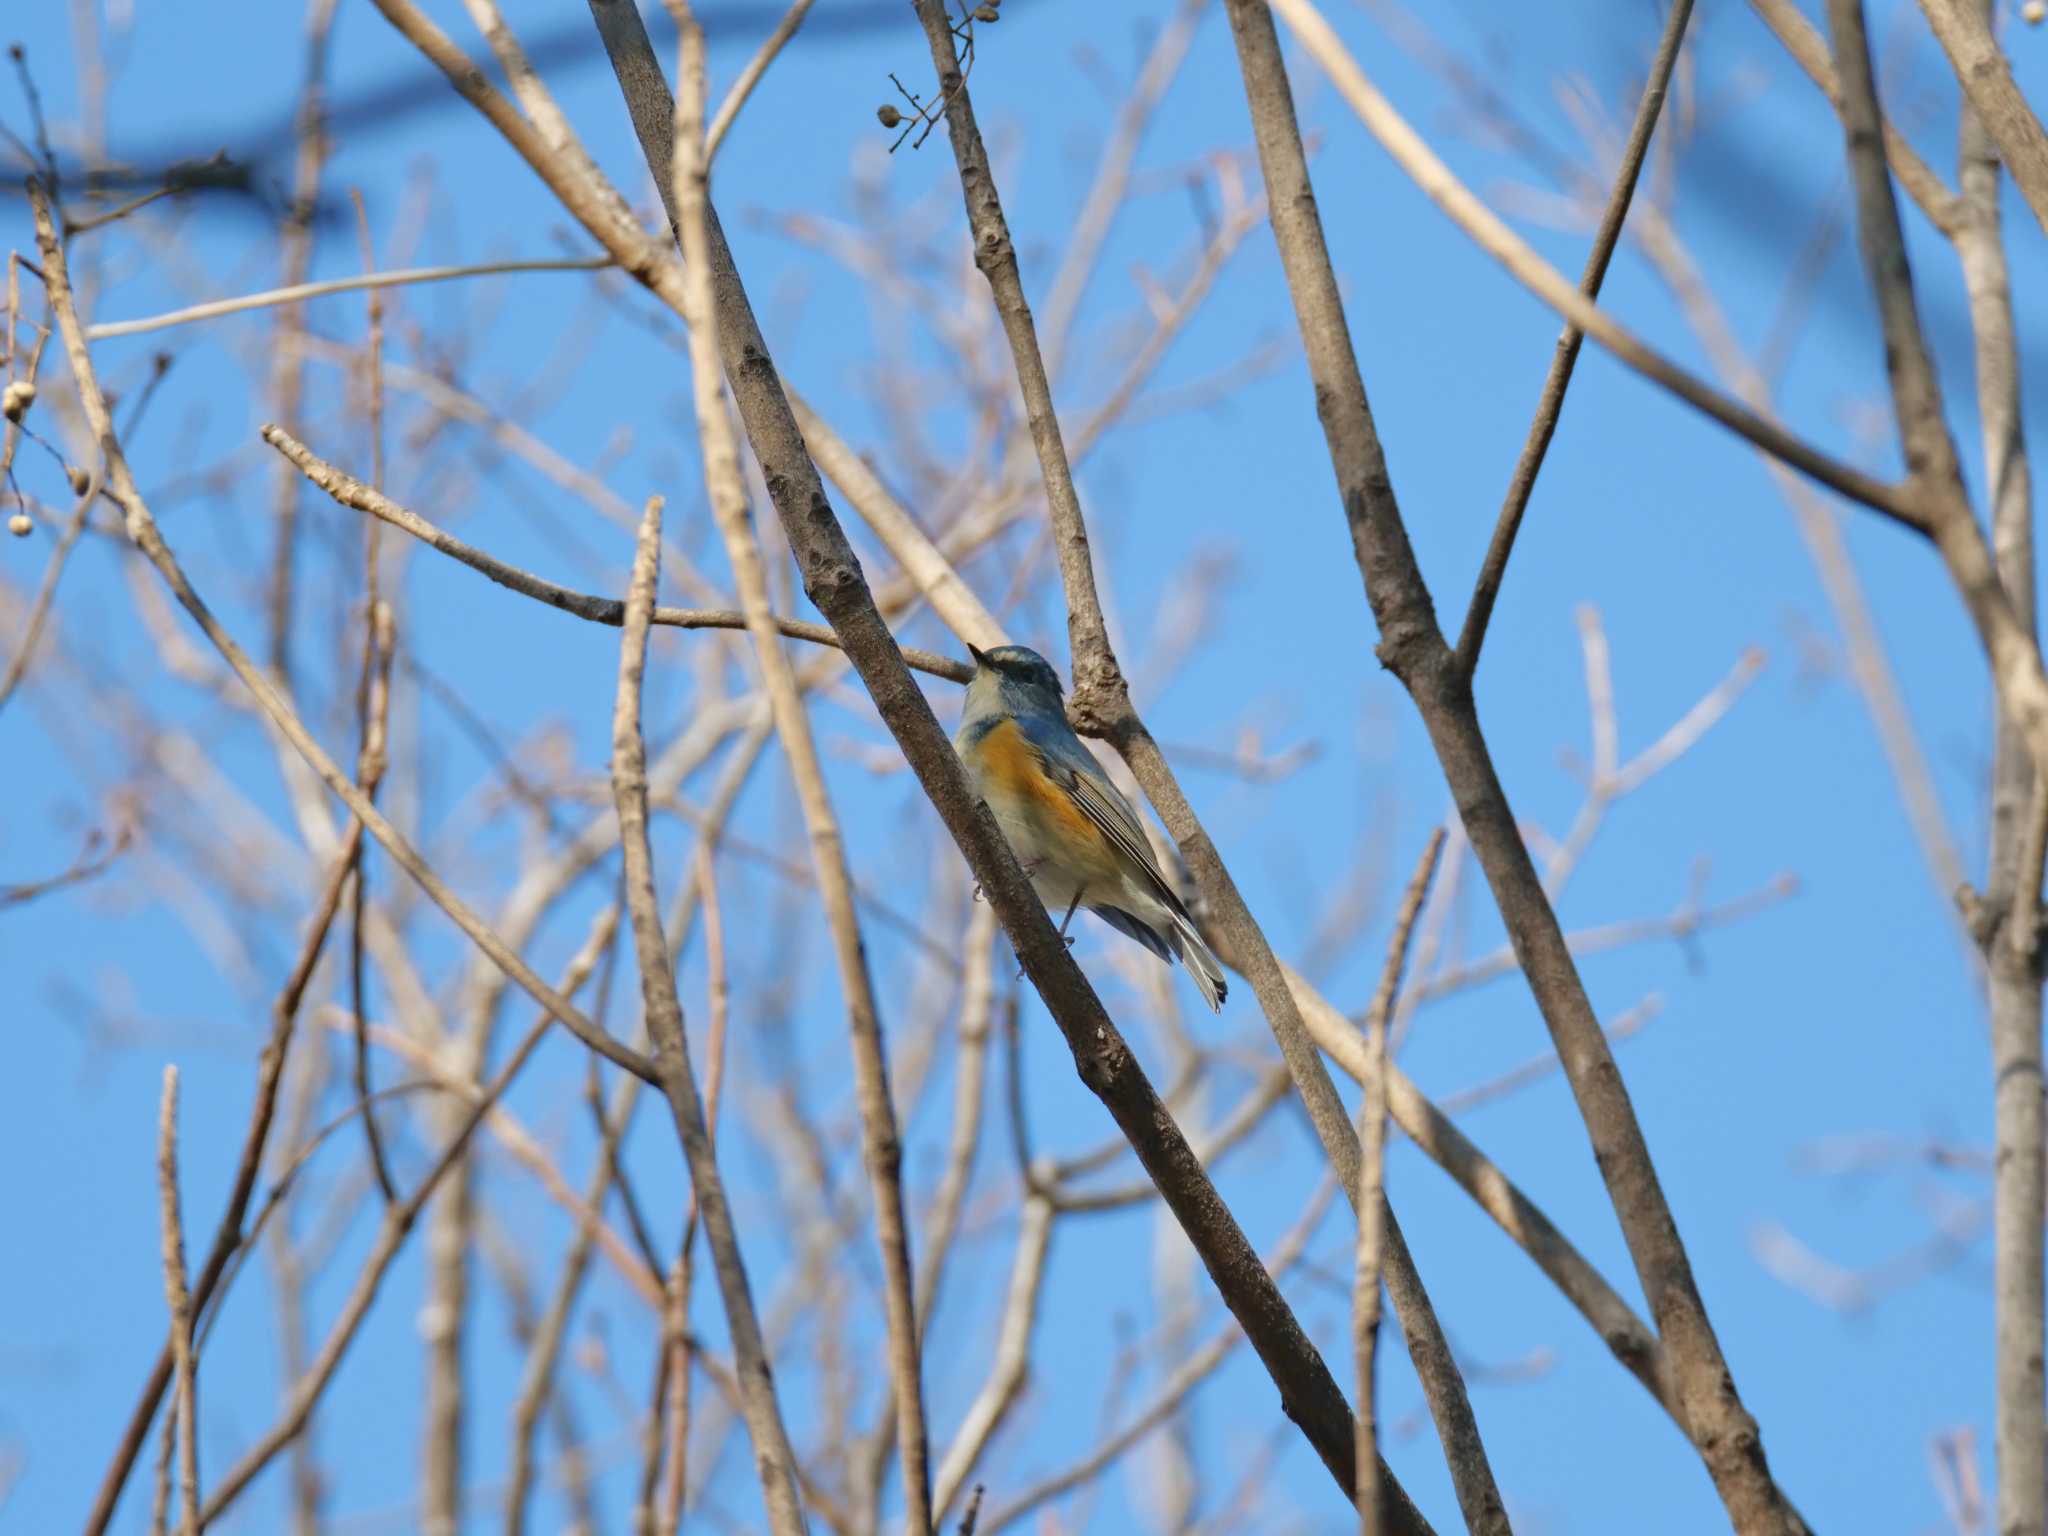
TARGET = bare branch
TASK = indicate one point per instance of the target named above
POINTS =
(179, 1300)
(351, 492)
(1632, 1341)
(1101, 704)
(833, 580)
(227, 1237)
(1190, 1372)
(397, 1225)
(1933, 474)
(2010, 934)
(1550, 403)
(295, 293)
(1963, 27)
(1412, 646)
(774, 1459)
(1373, 1215)
(1810, 51)
(881, 1146)
(757, 66)
(142, 529)
(1491, 235)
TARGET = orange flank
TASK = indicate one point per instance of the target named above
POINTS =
(1013, 767)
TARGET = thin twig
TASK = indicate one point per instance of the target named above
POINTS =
(142, 529)
(298, 292)
(373, 699)
(757, 66)
(93, 861)
(1188, 1373)
(179, 1299)
(1490, 234)
(774, 1460)
(288, 374)
(397, 1225)
(46, 593)
(881, 1144)
(1011, 1361)
(536, 1382)
(1371, 1203)
(228, 1236)
(1550, 403)
(351, 492)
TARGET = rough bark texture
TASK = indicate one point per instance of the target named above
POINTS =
(1101, 705)
(2009, 929)
(1413, 648)
(833, 580)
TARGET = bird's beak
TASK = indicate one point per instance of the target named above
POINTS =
(980, 657)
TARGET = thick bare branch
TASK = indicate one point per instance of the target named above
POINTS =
(2010, 933)
(1934, 475)
(1413, 647)
(1101, 704)
(1963, 27)
(833, 580)
(1810, 51)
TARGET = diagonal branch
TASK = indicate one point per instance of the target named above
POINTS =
(351, 492)
(1374, 1214)
(1810, 52)
(228, 1236)
(1413, 648)
(881, 1143)
(833, 580)
(1485, 228)
(2010, 937)
(396, 1226)
(184, 1423)
(1550, 403)
(1934, 475)
(774, 1460)
(1437, 1136)
(1963, 28)
(1102, 705)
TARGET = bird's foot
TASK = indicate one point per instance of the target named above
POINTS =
(1029, 866)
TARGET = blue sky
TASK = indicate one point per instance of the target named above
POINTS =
(1848, 1011)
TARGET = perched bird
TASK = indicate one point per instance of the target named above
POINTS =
(1070, 827)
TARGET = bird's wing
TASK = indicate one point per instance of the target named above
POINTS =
(1104, 805)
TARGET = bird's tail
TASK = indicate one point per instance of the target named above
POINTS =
(1200, 961)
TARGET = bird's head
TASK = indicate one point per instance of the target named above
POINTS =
(1015, 678)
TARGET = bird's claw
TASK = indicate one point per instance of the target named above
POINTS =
(1030, 868)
